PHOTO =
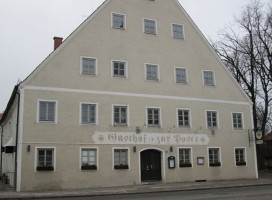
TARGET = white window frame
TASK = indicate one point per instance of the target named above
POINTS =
(158, 72)
(36, 156)
(80, 156)
(160, 117)
(121, 148)
(38, 112)
(120, 105)
(126, 69)
(96, 113)
(245, 156)
(219, 154)
(242, 119)
(172, 28)
(81, 66)
(190, 118)
(156, 26)
(203, 77)
(121, 14)
(217, 119)
(191, 156)
(186, 72)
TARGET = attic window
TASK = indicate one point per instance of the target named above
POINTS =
(178, 31)
(118, 21)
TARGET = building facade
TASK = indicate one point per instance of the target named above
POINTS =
(134, 94)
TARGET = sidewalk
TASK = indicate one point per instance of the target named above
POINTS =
(265, 179)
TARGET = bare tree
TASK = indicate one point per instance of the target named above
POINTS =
(246, 49)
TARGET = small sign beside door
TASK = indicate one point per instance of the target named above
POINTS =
(171, 162)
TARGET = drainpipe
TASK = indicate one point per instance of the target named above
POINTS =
(16, 144)
(2, 130)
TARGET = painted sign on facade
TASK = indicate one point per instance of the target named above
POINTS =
(150, 138)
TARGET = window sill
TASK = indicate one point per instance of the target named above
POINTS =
(150, 33)
(217, 164)
(121, 125)
(185, 165)
(154, 126)
(47, 122)
(152, 80)
(240, 164)
(45, 168)
(88, 74)
(119, 28)
(122, 77)
(121, 167)
(179, 38)
(88, 124)
(89, 167)
(209, 85)
(181, 83)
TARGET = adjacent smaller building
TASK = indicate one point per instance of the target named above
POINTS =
(268, 150)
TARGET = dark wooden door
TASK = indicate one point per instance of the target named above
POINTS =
(150, 165)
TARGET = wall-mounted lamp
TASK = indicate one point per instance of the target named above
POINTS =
(212, 130)
(140, 129)
(28, 148)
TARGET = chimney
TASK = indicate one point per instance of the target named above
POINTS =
(57, 42)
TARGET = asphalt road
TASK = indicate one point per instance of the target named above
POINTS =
(240, 193)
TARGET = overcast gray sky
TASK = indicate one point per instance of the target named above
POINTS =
(27, 28)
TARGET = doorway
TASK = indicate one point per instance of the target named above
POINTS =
(151, 165)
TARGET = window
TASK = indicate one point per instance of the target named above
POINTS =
(88, 113)
(150, 26)
(208, 77)
(119, 69)
(181, 75)
(121, 159)
(177, 31)
(214, 157)
(240, 157)
(152, 72)
(153, 117)
(120, 115)
(118, 21)
(88, 66)
(212, 119)
(237, 120)
(47, 111)
(45, 160)
(183, 118)
(88, 159)
(185, 157)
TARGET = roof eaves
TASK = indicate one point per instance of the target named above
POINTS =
(212, 50)
(10, 103)
(64, 43)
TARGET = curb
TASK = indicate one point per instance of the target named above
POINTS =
(120, 191)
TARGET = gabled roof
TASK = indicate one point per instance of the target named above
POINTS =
(10, 103)
(94, 14)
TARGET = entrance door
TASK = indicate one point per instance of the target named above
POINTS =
(150, 165)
